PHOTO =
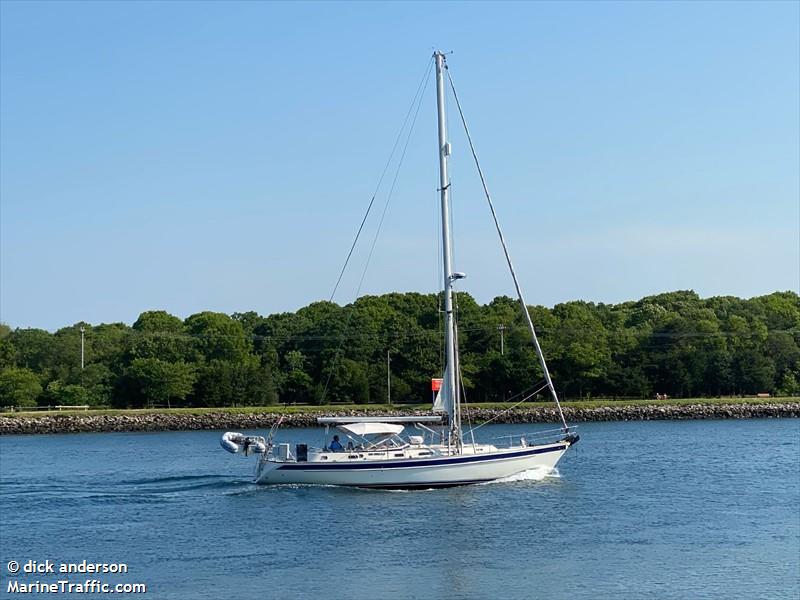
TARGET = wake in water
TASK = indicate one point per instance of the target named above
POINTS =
(539, 474)
(170, 479)
(168, 486)
(247, 488)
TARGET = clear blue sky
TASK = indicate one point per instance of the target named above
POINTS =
(202, 156)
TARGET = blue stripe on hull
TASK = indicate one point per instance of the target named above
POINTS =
(419, 462)
(417, 486)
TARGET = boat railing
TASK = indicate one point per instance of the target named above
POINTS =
(541, 435)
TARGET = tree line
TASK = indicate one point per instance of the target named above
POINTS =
(674, 343)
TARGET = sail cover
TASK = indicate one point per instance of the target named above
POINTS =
(441, 403)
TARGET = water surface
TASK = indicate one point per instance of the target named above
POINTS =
(666, 510)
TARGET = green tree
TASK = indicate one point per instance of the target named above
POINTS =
(495, 379)
(216, 336)
(755, 373)
(789, 385)
(158, 334)
(34, 348)
(59, 394)
(349, 383)
(582, 356)
(244, 383)
(297, 386)
(156, 381)
(675, 343)
(250, 321)
(97, 379)
(106, 346)
(19, 387)
(7, 350)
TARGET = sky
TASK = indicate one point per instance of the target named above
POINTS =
(220, 156)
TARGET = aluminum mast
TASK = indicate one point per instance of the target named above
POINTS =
(452, 403)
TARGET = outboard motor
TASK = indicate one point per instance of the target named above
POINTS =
(301, 451)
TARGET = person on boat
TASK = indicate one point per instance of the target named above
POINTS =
(336, 445)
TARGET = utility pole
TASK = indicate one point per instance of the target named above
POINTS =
(501, 329)
(82, 330)
(388, 377)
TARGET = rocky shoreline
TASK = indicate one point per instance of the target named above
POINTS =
(251, 421)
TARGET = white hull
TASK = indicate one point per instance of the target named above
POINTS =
(414, 473)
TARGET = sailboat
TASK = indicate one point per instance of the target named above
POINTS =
(379, 452)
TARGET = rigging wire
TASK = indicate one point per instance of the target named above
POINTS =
(380, 179)
(391, 189)
(466, 408)
(508, 256)
(497, 416)
(418, 100)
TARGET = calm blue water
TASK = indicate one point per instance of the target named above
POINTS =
(699, 509)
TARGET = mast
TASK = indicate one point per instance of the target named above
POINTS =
(452, 403)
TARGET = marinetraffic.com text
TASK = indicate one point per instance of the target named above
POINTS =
(19, 573)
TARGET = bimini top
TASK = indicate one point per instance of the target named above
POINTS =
(386, 419)
(363, 429)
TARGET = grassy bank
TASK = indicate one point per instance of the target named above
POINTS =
(332, 409)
